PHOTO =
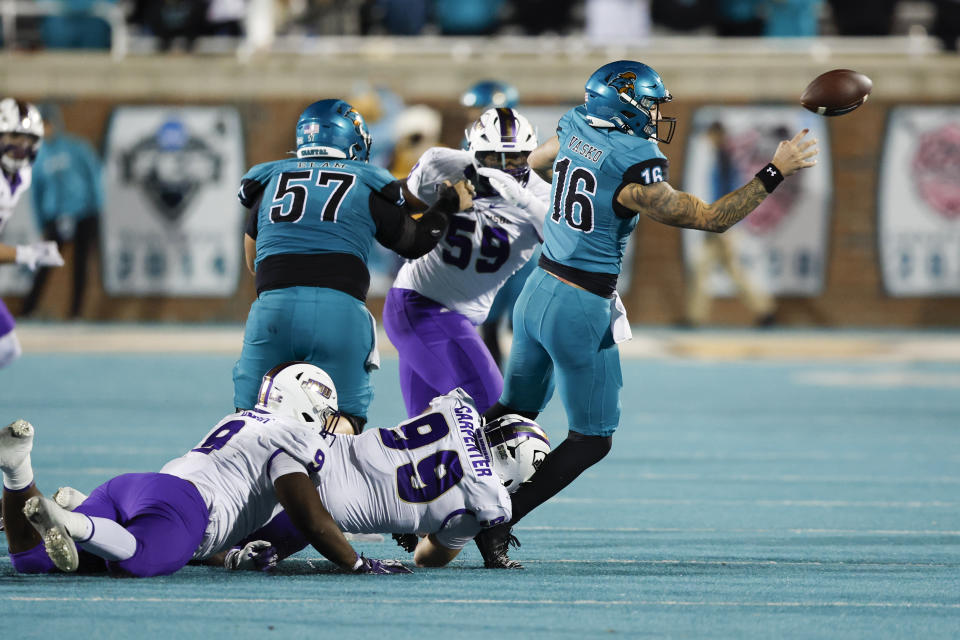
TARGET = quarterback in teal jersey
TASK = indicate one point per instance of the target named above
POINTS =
(313, 220)
(606, 169)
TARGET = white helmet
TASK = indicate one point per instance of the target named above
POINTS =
(19, 117)
(502, 131)
(517, 447)
(299, 390)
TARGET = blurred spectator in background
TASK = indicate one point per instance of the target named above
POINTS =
(617, 21)
(76, 26)
(851, 19)
(395, 17)
(720, 249)
(682, 15)
(467, 17)
(380, 107)
(792, 18)
(225, 17)
(67, 198)
(537, 17)
(416, 130)
(172, 22)
(739, 18)
(946, 26)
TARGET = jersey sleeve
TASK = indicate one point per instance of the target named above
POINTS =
(253, 183)
(646, 172)
(282, 464)
(377, 178)
(301, 445)
(435, 166)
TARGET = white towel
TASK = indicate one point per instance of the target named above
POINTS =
(373, 358)
(619, 325)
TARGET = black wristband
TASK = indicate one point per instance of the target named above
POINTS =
(770, 177)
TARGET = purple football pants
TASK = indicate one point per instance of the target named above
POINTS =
(165, 513)
(6, 320)
(440, 350)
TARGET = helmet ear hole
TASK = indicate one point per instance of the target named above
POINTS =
(306, 417)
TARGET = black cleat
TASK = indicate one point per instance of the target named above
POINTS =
(407, 541)
(494, 543)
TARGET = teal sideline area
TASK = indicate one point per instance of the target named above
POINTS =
(801, 485)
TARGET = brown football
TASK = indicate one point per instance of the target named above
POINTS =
(836, 92)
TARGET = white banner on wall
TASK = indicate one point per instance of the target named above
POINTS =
(919, 202)
(782, 245)
(21, 229)
(172, 224)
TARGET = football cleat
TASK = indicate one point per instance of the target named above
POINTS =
(46, 517)
(16, 441)
(68, 498)
(494, 543)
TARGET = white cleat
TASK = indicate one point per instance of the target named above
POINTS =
(46, 517)
(68, 498)
(16, 441)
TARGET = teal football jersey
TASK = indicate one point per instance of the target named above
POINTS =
(586, 228)
(313, 205)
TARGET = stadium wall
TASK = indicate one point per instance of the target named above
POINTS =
(269, 93)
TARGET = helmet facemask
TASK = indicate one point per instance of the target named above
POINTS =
(502, 139)
(21, 131)
(18, 150)
(515, 447)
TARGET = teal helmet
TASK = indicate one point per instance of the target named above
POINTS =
(332, 129)
(623, 95)
(490, 94)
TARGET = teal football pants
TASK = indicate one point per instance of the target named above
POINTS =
(564, 332)
(325, 327)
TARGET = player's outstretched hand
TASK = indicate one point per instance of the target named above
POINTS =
(380, 567)
(258, 555)
(39, 254)
(508, 188)
(795, 154)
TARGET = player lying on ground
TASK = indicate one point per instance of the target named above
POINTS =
(439, 475)
(229, 485)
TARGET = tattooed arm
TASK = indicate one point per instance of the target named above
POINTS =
(661, 202)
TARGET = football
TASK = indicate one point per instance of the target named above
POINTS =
(836, 92)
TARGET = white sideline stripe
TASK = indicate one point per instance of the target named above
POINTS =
(513, 601)
(705, 345)
(831, 532)
(816, 479)
(828, 504)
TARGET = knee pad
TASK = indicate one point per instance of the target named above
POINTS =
(10, 349)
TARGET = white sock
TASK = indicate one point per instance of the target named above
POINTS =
(19, 477)
(106, 538)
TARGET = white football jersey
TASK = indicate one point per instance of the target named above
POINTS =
(483, 246)
(235, 466)
(10, 193)
(426, 475)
